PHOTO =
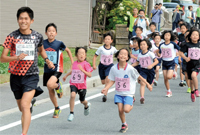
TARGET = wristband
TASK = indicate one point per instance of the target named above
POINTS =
(46, 59)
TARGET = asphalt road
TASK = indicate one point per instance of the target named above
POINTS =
(159, 115)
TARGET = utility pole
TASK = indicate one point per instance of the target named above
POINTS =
(150, 7)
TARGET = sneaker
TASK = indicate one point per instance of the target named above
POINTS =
(124, 128)
(189, 90)
(59, 91)
(104, 99)
(174, 75)
(87, 111)
(56, 113)
(196, 92)
(155, 83)
(32, 104)
(70, 117)
(142, 100)
(181, 84)
(169, 94)
(184, 83)
(193, 97)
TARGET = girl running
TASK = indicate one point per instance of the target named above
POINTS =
(106, 62)
(125, 77)
(168, 51)
(157, 39)
(147, 61)
(192, 48)
(81, 69)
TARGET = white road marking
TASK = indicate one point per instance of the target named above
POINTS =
(51, 111)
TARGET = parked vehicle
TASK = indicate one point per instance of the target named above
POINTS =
(183, 1)
(185, 8)
(170, 6)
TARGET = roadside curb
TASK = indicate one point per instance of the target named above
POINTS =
(91, 83)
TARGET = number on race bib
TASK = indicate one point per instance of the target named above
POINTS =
(106, 59)
(145, 62)
(123, 84)
(166, 53)
(77, 76)
(194, 53)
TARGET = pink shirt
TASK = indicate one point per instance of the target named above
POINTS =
(78, 78)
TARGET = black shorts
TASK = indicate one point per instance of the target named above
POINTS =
(104, 70)
(47, 76)
(168, 65)
(184, 67)
(81, 92)
(192, 66)
(21, 84)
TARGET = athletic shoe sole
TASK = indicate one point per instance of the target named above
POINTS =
(104, 99)
(32, 104)
(142, 100)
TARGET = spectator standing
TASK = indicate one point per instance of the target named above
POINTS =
(156, 12)
(198, 17)
(177, 15)
(189, 16)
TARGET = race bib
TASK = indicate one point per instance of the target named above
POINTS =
(194, 53)
(28, 49)
(106, 59)
(122, 84)
(145, 62)
(134, 60)
(52, 55)
(77, 76)
(166, 53)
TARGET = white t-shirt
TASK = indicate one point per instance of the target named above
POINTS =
(103, 51)
(143, 24)
(168, 51)
(118, 75)
(146, 59)
(154, 48)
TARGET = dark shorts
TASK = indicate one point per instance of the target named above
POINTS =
(81, 92)
(184, 67)
(21, 84)
(168, 65)
(192, 67)
(159, 63)
(104, 70)
(138, 68)
(47, 76)
(147, 74)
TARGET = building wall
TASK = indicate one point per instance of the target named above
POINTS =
(72, 18)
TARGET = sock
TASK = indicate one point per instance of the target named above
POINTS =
(86, 107)
(142, 97)
(192, 92)
(124, 123)
(196, 90)
(182, 80)
(57, 108)
(169, 90)
(58, 86)
(71, 112)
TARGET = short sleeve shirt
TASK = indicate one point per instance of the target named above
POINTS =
(127, 72)
(78, 74)
(149, 55)
(18, 43)
(54, 53)
(103, 51)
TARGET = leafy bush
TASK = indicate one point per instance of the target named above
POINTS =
(3, 66)
(40, 61)
(119, 15)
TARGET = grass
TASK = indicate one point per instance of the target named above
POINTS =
(67, 64)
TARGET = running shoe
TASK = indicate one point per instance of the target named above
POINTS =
(142, 100)
(124, 128)
(181, 84)
(174, 75)
(184, 83)
(196, 92)
(32, 104)
(189, 90)
(155, 83)
(59, 91)
(70, 117)
(193, 98)
(87, 111)
(56, 113)
(169, 94)
(104, 99)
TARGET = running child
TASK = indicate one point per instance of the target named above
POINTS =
(184, 63)
(138, 31)
(124, 76)
(147, 61)
(81, 69)
(192, 48)
(106, 61)
(24, 45)
(176, 59)
(135, 50)
(54, 50)
(168, 51)
(155, 46)
(152, 27)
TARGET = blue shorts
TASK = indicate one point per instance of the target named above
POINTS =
(159, 63)
(148, 74)
(125, 100)
(104, 70)
(176, 60)
(138, 68)
(168, 65)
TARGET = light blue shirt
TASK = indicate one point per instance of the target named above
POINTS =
(156, 17)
